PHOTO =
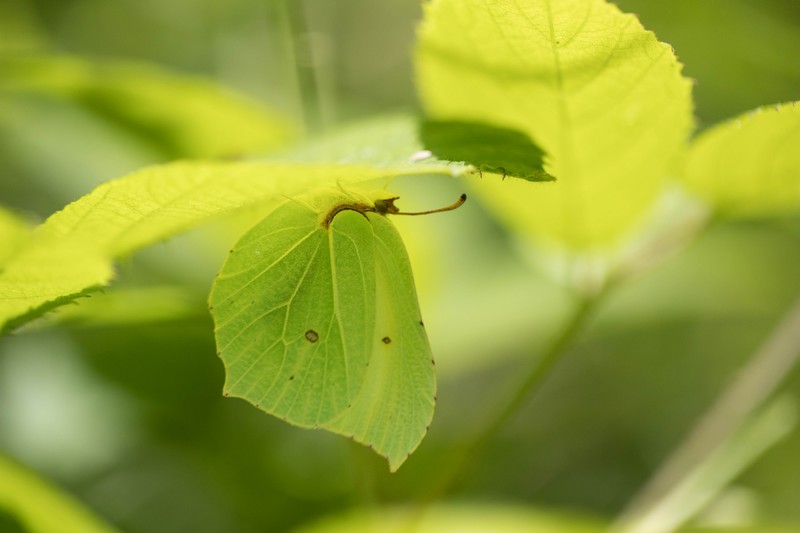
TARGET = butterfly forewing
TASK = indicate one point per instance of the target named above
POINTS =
(291, 315)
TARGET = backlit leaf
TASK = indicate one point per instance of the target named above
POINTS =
(749, 165)
(602, 97)
(72, 252)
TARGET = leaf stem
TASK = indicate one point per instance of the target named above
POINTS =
(528, 386)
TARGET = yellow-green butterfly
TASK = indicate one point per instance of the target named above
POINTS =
(317, 322)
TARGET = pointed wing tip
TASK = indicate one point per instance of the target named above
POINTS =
(396, 461)
(394, 466)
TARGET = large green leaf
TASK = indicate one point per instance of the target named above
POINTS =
(749, 165)
(73, 251)
(38, 507)
(602, 97)
(182, 115)
(317, 322)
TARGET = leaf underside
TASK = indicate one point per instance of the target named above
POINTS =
(488, 148)
(321, 327)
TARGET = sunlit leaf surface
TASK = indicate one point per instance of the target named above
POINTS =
(749, 165)
(602, 97)
(73, 251)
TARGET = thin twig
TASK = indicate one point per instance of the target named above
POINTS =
(301, 49)
(529, 385)
(753, 384)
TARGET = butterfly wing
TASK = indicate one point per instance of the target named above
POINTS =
(293, 305)
(395, 407)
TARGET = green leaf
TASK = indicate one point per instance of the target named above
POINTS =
(451, 518)
(134, 305)
(488, 148)
(749, 165)
(317, 322)
(602, 97)
(383, 140)
(42, 508)
(185, 116)
(72, 252)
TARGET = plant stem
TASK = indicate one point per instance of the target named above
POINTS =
(528, 386)
(302, 55)
(657, 252)
(751, 387)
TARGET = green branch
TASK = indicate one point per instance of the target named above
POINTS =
(527, 387)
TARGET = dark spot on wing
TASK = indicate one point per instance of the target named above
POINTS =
(312, 336)
(386, 340)
(291, 378)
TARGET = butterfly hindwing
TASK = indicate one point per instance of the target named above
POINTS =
(396, 404)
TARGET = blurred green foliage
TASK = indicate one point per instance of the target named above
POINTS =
(128, 416)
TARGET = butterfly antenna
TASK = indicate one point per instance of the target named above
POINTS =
(455, 205)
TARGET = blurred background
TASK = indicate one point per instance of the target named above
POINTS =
(125, 412)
